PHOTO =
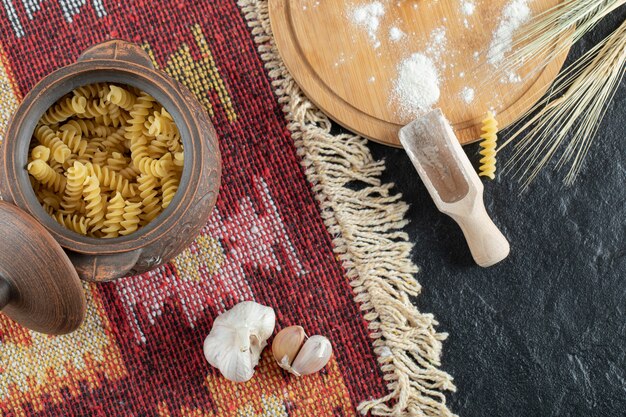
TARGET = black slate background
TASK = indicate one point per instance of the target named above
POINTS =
(544, 332)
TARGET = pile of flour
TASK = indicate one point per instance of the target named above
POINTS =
(417, 87)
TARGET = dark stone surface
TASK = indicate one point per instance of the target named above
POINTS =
(544, 332)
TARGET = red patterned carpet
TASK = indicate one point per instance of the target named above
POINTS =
(139, 352)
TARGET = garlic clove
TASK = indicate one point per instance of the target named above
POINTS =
(313, 356)
(287, 344)
(237, 339)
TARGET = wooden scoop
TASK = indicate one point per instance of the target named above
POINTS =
(453, 184)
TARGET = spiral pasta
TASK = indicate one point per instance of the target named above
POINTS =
(75, 222)
(121, 97)
(88, 127)
(95, 108)
(56, 166)
(49, 198)
(131, 218)
(95, 204)
(139, 114)
(179, 161)
(100, 157)
(76, 177)
(64, 109)
(114, 216)
(112, 180)
(161, 123)
(155, 167)
(150, 197)
(72, 138)
(488, 146)
(106, 161)
(117, 161)
(47, 137)
(158, 147)
(169, 186)
(174, 144)
(46, 175)
(115, 142)
(48, 208)
(130, 172)
(90, 90)
(40, 152)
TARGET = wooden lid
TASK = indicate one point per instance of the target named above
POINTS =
(39, 287)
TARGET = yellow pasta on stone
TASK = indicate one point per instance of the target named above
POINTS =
(488, 147)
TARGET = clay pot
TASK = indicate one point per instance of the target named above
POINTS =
(174, 229)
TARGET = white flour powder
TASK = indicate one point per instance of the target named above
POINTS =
(368, 17)
(437, 43)
(416, 89)
(514, 15)
(467, 94)
(468, 7)
(395, 34)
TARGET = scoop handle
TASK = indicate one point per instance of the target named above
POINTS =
(486, 242)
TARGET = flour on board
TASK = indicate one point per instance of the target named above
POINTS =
(467, 7)
(395, 34)
(416, 89)
(514, 15)
(467, 94)
(368, 17)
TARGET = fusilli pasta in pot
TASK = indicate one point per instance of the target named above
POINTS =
(106, 160)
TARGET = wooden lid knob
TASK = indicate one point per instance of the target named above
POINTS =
(39, 287)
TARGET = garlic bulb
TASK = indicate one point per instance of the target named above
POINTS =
(237, 339)
(297, 357)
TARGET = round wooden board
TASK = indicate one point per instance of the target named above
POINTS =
(338, 66)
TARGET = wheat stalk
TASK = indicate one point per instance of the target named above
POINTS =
(583, 92)
(566, 22)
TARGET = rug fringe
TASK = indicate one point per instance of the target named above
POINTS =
(366, 225)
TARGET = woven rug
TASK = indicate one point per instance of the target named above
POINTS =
(302, 224)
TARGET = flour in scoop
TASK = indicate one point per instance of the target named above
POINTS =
(416, 89)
